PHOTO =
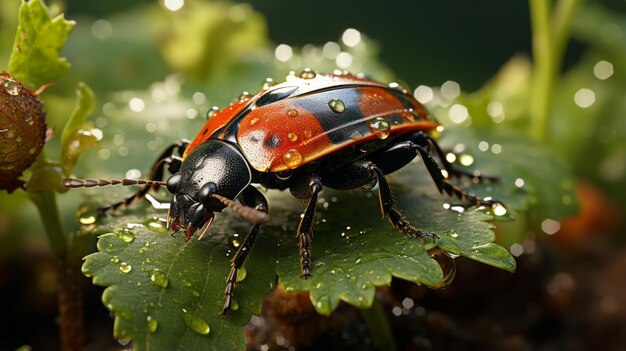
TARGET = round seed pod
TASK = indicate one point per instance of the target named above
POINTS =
(22, 130)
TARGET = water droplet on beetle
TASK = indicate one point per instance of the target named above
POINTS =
(292, 112)
(268, 83)
(244, 96)
(292, 136)
(337, 105)
(307, 73)
(292, 158)
(158, 278)
(212, 111)
(380, 127)
(196, 323)
(125, 268)
(11, 86)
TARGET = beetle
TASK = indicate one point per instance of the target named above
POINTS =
(338, 130)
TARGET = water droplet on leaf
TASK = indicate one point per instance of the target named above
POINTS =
(158, 278)
(153, 324)
(125, 235)
(125, 268)
(196, 323)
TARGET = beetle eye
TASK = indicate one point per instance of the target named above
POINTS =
(206, 191)
(172, 183)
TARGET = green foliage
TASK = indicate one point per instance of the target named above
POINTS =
(166, 294)
(350, 259)
(163, 290)
(38, 42)
(76, 137)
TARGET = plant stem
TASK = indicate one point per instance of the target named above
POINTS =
(378, 325)
(48, 211)
(550, 35)
(69, 293)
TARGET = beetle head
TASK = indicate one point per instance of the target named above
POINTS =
(210, 178)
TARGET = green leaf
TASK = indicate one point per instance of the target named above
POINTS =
(355, 250)
(77, 135)
(531, 177)
(166, 294)
(38, 43)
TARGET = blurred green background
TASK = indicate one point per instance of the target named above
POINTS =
(140, 50)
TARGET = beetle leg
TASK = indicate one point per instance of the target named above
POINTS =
(305, 232)
(253, 198)
(156, 173)
(427, 141)
(389, 209)
(402, 153)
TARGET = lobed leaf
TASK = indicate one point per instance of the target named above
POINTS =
(166, 294)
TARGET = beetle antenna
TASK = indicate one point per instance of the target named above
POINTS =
(249, 213)
(88, 183)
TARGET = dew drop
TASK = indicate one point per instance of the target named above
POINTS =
(125, 235)
(11, 86)
(323, 304)
(466, 160)
(447, 264)
(158, 278)
(234, 305)
(380, 127)
(268, 83)
(337, 105)
(212, 111)
(292, 112)
(292, 136)
(125, 268)
(244, 96)
(499, 210)
(241, 274)
(307, 73)
(292, 158)
(196, 323)
(115, 259)
(32, 150)
(153, 324)
(89, 219)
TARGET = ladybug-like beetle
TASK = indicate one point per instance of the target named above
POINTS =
(313, 131)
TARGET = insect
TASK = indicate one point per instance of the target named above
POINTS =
(22, 130)
(312, 131)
